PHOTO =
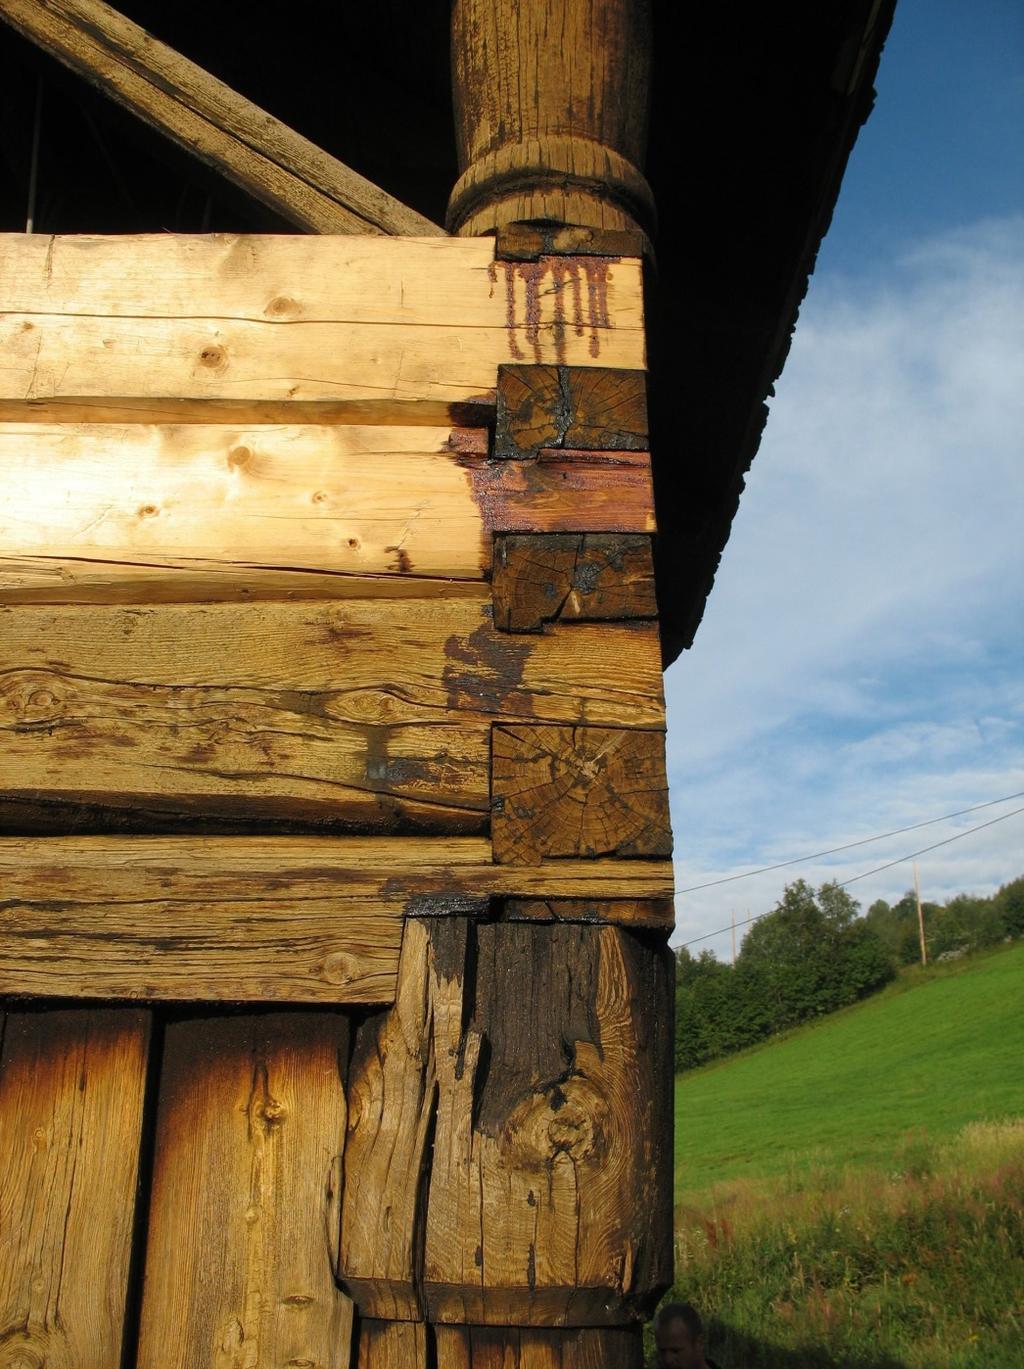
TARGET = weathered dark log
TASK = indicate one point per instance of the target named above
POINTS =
(655, 913)
(481, 1347)
(577, 791)
(551, 106)
(531, 241)
(544, 1199)
(394, 1345)
(589, 408)
(571, 576)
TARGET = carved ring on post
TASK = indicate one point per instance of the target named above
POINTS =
(560, 173)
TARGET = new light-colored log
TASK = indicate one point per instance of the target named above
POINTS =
(71, 1099)
(288, 919)
(268, 160)
(366, 714)
(376, 325)
(94, 510)
(244, 1203)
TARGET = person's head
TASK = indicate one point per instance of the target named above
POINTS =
(679, 1336)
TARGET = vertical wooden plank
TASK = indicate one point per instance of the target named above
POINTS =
(72, 1086)
(394, 1345)
(244, 1208)
(392, 1099)
(550, 1188)
(480, 1347)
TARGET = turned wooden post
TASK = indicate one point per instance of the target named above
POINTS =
(551, 106)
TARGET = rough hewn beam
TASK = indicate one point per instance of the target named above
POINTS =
(303, 919)
(544, 1199)
(92, 511)
(368, 329)
(268, 160)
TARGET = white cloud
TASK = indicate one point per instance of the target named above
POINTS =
(860, 662)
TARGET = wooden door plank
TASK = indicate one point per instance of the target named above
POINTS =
(268, 160)
(72, 1086)
(256, 919)
(246, 1181)
(394, 1345)
(379, 326)
(87, 509)
(484, 1347)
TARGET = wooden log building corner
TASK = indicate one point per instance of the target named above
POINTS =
(335, 856)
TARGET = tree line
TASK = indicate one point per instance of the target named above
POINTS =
(814, 953)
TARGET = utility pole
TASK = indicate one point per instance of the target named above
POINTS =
(733, 916)
(920, 916)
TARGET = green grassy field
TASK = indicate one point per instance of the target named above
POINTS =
(853, 1194)
(931, 1052)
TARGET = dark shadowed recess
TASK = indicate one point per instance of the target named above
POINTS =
(755, 110)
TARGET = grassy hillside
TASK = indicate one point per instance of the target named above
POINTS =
(852, 1195)
(933, 1052)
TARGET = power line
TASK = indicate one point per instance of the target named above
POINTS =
(888, 866)
(848, 846)
(934, 847)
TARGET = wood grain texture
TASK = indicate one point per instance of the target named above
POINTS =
(578, 791)
(571, 577)
(550, 1189)
(394, 1345)
(653, 913)
(483, 1347)
(274, 511)
(244, 1204)
(302, 920)
(268, 160)
(538, 1058)
(551, 106)
(71, 1099)
(587, 408)
(252, 948)
(391, 1104)
(365, 715)
(531, 241)
(375, 326)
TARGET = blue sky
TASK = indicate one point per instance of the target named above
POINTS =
(861, 664)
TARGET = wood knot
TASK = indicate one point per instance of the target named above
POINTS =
(239, 457)
(19, 1351)
(213, 356)
(568, 1120)
(339, 968)
(281, 307)
(30, 701)
(148, 511)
